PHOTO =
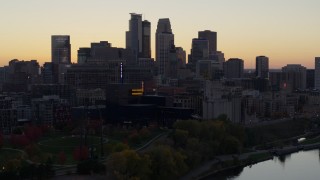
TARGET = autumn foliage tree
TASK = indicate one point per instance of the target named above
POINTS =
(81, 153)
(33, 133)
(62, 158)
(19, 140)
(128, 164)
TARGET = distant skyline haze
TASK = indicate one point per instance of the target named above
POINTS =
(286, 31)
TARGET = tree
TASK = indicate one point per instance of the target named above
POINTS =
(180, 137)
(33, 133)
(128, 164)
(115, 147)
(19, 140)
(192, 126)
(89, 166)
(134, 137)
(231, 145)
(167, 163)
(81, 153)
(32, 150)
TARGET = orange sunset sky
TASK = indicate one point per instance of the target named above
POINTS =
(287, 31)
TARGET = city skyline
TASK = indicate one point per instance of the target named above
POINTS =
(286, 31)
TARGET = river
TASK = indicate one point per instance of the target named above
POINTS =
(303, 165)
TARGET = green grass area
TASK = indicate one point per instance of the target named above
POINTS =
(67, 144)
(8, 154)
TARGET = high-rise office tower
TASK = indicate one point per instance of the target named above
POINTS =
(211, 36)
(199, 51)
(83, 55)
(60, 49)
(134, 35)
(146, 39)
(49, 73)
(233, 68)
(164, 42)
(317, 73)
(293, 77)
(310, 78)
(138, 37)
(262, 67)
(181, 54)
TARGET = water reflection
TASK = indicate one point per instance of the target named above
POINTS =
(301, 165)
(282, 159)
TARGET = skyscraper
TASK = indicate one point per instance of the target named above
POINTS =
(233, 68)
(83, 55)
(317, 73)
(146, 39)
(60, 49)
(199, 51)
(262, 67)
(294, 76)
(181, 54)
(138, 37)
(164, 42)
(211, 36)
(134, 35)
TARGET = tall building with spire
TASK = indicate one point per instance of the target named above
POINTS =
(164, 42)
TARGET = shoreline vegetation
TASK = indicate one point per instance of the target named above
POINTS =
(192, 149)
(261, 152)
(236, 161)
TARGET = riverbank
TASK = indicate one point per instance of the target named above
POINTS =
(228, 162)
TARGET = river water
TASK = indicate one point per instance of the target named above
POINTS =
(303, 165)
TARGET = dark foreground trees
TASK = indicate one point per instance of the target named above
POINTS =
(190, 144)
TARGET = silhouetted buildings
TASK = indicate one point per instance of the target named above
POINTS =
(49, 73)
(138, 37)
(211, 36)
(233, 68)
(164, 42)
(220, 100)
(102, 53)
(199, 51)
(317, 73)
(8, 115)
(146, 39)
(50, 110)
(129, 87)
(262, 67)
(310, 79)
(294, 77)
(60, 49)
(84, 55)
(20, 75)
